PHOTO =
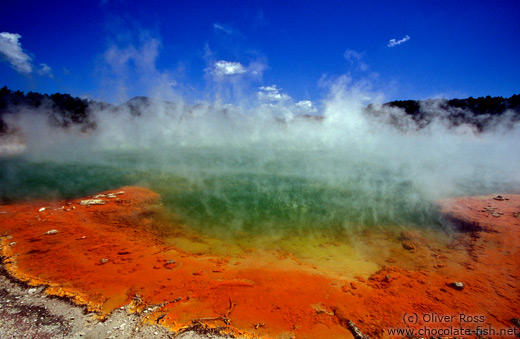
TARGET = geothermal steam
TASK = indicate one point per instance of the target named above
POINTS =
(267, 167)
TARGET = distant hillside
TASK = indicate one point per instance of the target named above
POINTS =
(482, 112)
(63, 110)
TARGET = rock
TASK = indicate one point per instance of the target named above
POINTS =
(162, 316)
(170, 264)
(321, 309)
(408, 245)
(42, 209)
(457, 285)
(410, 239)
(356, 331)
(360, 279)
(89, 202)
(103, 260)
(50, 232)
(340, 314)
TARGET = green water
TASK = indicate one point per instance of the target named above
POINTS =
(235, 194)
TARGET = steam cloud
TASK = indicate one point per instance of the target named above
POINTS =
(264, 161)
(270, 164)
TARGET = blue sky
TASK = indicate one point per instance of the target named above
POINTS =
(113, 50)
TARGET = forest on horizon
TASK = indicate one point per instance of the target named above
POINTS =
(64, 110)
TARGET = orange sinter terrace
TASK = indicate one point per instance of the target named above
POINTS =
(111, 250)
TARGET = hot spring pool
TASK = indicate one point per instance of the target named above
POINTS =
(225, 195)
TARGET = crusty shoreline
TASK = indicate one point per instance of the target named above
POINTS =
(28, 312)
(99, 256)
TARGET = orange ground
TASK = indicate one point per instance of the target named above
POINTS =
(108, 255)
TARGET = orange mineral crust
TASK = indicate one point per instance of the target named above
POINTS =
(105, 252)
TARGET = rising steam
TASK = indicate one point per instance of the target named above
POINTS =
(271, 166)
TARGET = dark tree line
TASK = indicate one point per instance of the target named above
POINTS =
(480, 112)
(479, 106)
(63, 110)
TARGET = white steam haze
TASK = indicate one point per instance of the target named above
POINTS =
(437, 158)
(270, 156)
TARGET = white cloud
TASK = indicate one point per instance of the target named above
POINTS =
(45, 70)
(393, 42)
(355, 58)
(305, 104)
(352, 55)
(222, 28)
(12, 52)
(223, 68)
(271, 93)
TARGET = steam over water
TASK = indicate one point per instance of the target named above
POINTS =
(266, 170)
